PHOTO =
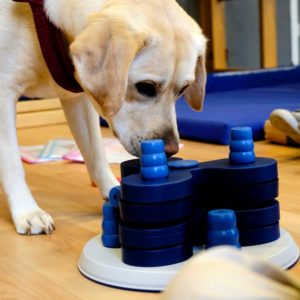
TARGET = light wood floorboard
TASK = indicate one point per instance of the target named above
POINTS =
(44, 267)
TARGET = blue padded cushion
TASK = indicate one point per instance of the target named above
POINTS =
(239, 99)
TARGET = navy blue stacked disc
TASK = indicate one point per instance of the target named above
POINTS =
(234, 196)
(260, 235)
(177, 185)
(156, 213)
(130, 167)
(153, 238)
(155, 209)
(222, 172)
(263, 216)
(182, 164)
(156, 257)
(259, 225)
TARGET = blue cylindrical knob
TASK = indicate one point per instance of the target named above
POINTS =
(241, 145)
(155, 172)
(115, 196)
(155, 159)
(222, 228)
(110, 240)
(110, 227)
(242, 157)
(221, 219)
(109, 212)
(152, 146)
(222, 237)
(241, 133)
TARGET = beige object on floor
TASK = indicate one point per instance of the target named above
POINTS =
(275, 135)
(226, 273)
(287, 122)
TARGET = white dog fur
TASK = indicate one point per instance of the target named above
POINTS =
(133, 59)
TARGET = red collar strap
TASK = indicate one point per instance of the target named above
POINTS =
(53, 47)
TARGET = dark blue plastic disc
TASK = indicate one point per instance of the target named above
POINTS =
(156, 258)
(199, 226)
(263, 216)
(149, 238)
(221, 171)
(177, 185)
(156, 213)
(259, 235)
(130, 167)
(183, 164)
(262, 170)
(235, 197)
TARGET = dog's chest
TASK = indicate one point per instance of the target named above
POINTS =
(42, 89)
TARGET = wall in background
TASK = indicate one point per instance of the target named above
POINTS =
(283, 32)
(242, 28)
(242, 22)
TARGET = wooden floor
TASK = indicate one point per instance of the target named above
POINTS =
(44, 267)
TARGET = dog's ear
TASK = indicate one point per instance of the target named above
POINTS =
(194, 95)
(102, 54)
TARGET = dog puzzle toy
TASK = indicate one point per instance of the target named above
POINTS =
(166, 210)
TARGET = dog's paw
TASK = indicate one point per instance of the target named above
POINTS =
(107, 186)
(34, 222)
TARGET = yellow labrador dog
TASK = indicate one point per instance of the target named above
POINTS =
(133, 59)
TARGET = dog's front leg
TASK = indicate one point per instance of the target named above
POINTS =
(27, 216)
(84, 124)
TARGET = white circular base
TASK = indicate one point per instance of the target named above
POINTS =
(105, 266)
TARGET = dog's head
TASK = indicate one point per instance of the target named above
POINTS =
(135, 59)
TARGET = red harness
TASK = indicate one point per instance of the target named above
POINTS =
(54, 48)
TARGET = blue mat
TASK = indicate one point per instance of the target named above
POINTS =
(239, 99)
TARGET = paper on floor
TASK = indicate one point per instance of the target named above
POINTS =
(60, 149)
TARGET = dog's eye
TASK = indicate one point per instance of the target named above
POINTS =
(146, 88)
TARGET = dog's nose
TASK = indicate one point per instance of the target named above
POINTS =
(171, 148)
